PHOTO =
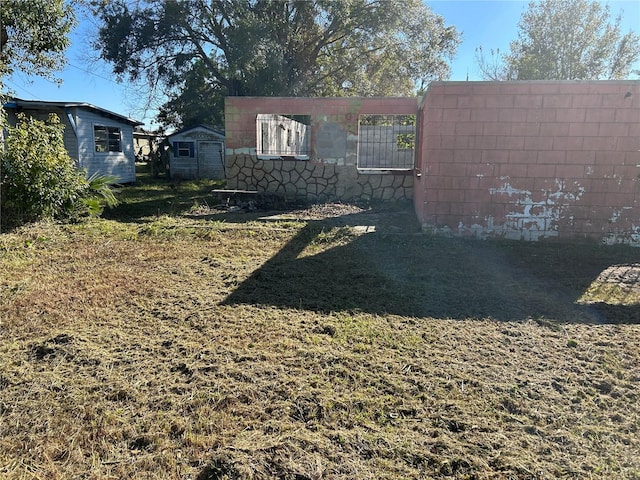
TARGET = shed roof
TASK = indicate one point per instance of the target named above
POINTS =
(215, 130)
(19, 103)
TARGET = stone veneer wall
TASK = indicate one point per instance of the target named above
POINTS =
(331, 172)
(530, 160)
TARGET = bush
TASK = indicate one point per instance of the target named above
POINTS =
(40, 180)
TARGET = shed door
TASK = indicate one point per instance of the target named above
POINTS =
(210, 163)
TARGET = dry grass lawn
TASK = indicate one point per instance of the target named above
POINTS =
(218, 346)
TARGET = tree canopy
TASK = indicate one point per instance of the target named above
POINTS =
(34, 35)
(565, 40)
(199, 51)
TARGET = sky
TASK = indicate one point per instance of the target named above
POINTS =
(486, 23)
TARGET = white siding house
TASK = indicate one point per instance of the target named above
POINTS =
(197, 152)
(98, 140)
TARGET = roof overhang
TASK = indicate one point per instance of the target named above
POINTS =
(18, 103)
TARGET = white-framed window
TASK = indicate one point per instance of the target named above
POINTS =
(183, 149)
(107, 139)
(283, 136)
(386, 142)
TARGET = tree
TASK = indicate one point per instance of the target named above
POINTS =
(199, 51)
(33, 39)
(199, 101)
(493, 67)
(34, 35)
(565, 40)
(36, 178)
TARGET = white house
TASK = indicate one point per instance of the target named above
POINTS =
(197, 152)
(98, 140)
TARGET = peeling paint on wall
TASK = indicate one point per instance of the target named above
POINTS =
(509, 190)
(528, 218)
(616, 216)
(535, 167)
(631, 238)
(242, 151)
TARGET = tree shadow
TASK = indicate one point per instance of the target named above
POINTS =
(394, 269)
(154, 197)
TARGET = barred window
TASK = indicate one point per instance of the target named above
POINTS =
(386, 142)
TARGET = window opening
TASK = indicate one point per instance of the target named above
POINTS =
(107, 139)
(386, 142)
(283, 136)
(183, 149)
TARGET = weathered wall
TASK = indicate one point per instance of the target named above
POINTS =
(331, 171)
(122, 164)
(81, 145)
(529, 160)
(277, 136)
(206, 159)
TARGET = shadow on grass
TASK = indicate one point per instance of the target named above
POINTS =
(421, 275)
(395, 270)
(153, 197)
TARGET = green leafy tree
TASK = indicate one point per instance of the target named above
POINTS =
(565, 40)
(34, 35)
(199, 101)
(199, 51)
(40, 180)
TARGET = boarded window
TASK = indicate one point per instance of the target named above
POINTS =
(107, 139)
(386, 142)
(283, 136)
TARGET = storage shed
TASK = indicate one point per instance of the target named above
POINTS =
(197, 152)
(98, 140)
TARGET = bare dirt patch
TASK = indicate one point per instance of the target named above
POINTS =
(186, 348)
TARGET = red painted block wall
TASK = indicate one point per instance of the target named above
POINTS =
(241, 112)
(531, 160)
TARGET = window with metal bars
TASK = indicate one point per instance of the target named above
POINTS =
(386, 142)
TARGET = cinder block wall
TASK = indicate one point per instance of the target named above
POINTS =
(331, 172)
(530, 160)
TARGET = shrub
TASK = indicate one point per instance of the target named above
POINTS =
(99, 194)
(40, 180)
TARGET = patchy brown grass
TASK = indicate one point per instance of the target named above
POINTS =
(230, 347)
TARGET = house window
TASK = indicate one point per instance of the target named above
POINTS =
(283, 136)
(107, 139)
(183, 149)
(386, 142)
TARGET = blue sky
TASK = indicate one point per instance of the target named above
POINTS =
(494, 23)
(486, 23)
